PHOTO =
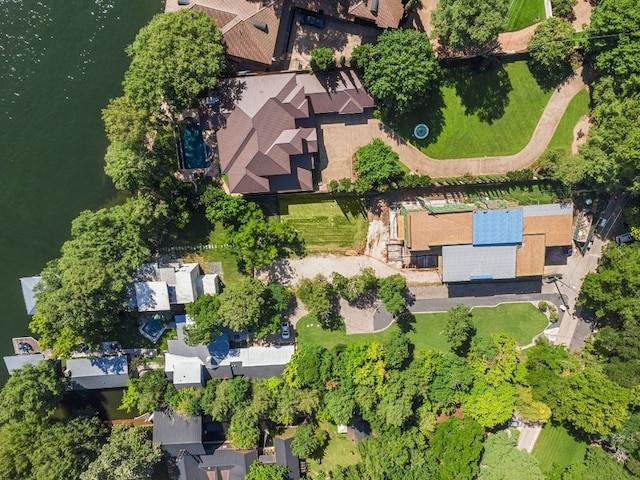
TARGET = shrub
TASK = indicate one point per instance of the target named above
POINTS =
(322, 60)
(520, 175)
(543, 306)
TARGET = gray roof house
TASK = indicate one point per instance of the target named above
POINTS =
(28, 285)
(16, 362)
(176, 432)
(98, 373)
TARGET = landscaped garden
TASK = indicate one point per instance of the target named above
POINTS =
(556, 445)
(521, 321)
(339, 451)
(478, 113)
(327, 225)
(523, 13)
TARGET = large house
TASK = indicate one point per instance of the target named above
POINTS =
(199, 453)
(485, 244)
(251, 30)
(188, 366)
(269, 137)
(159, 286)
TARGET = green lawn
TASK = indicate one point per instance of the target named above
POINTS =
(230, 274)
(521, 321)
(339, 452)
(556, 445)
(538, 194)
(338, 224)
(523, 13)
(563, 136)
(477, 114)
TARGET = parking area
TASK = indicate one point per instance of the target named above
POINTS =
(339, 35)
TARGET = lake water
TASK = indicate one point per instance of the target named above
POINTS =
(60, 62)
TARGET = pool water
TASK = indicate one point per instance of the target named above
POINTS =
(191, 149)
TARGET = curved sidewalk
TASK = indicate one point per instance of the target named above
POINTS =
(419, 163)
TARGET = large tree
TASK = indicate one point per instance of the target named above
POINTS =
(146, 393)
(502, 460)
(83, 292)
(204, 312)
(377, 167)
(469, 26)
(243, 305)
(128, 455)
(459, 329)
(552, 43)
(318, 296)
(32, 393)
(612, 37)
(66, 449)
(458, 446)
(174, 58)
(402, 69)
(307, 440)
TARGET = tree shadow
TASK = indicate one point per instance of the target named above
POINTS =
(406, 321)
(427, 109)
(351, 206)
(549, 79)
(483, 86)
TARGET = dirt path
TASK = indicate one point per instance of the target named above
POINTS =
(514, 42)
(580, 133)
(582, 12)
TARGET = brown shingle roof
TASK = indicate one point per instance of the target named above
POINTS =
(236, 20)
(426, 230)
(530, 256)
(261, 147)
(389, 12)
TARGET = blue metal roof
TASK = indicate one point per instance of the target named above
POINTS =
(497, 227)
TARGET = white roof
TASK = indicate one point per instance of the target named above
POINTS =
(171, 362)
(260, 356)
(187, 374)
(16, 362)
(28, 284)
(152, 296)
(186, 287)
(210, 283)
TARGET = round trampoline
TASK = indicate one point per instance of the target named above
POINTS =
(421, 131)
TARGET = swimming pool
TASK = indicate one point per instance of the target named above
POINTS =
(192, 151)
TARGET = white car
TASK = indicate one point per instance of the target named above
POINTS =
(285, 330)
(624, 238)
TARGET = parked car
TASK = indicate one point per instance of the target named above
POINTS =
(285, 330)
(603, 222)
(312, 20)
(624, 238)
(514, 423)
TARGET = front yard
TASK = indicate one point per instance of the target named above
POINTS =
(556, 445)
(524, 13)
(521, 321)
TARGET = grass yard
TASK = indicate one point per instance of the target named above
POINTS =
(478, 114)
(222, 254)
(556, 445)
(563, 136)
(537, 194)
(529, 321)
(334, 225)
(523, 13)
(521, 321)
(339, 452)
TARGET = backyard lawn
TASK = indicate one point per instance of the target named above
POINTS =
(521, 321)
(339, 452)
(563, 136)
(478, 114)
(523, 13)
(223, 255)
(327, 225)
(556, 445)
